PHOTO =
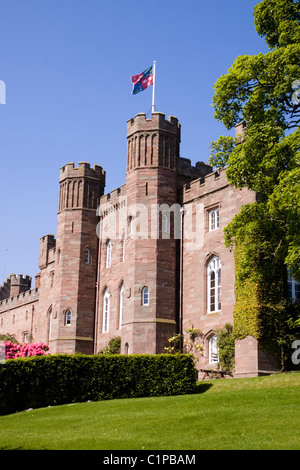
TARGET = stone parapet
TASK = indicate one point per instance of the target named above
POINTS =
(83, 170)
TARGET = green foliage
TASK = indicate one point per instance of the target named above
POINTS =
(113, 346)
(226, 346)
(57, 379)
(189, 343)
(264, 235)
(8, 337)
(278, 21)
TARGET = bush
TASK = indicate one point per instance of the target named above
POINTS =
(226, 346)
(41, 381)
(14, 350)
(113, 346)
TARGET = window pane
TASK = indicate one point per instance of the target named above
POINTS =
(212, 291)
(219, 289)
(105, 312)
(68, 318)
(121, 306)
(145, 300)
(214, 285)
(213, 350)
(108, 254)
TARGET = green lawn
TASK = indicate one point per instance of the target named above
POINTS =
(254, 413)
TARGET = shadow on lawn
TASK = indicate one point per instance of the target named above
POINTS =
(202, 387)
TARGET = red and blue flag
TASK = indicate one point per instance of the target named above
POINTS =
(142, 81)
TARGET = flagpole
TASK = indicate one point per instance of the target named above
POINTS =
(153, 90)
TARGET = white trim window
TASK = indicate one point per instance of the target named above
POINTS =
(121, 306)
(214, 285)
(213, 351)
(145, 296)
(67, 317)
(106, 307)
(293, 288)
(108, 254)
(165, 222)
(213, 219)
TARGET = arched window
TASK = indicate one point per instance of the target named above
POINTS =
(67, 318)
(108, 254)
(121, 305)
(213, 351)
(214, 285)
(87, 256)
(49, 315)
(165, 223)
(145, 296)
(106, 302)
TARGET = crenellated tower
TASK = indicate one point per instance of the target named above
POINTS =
(150, 316)
(76, 252)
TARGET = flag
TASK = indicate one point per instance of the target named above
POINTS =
(142, 81)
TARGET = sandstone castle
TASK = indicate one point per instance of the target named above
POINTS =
(143, 262)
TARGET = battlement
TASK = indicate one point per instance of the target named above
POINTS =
(240, 130)
(47, 250)
(14, 285)
(18, 300)
(152, 142)
(157, 122)
(113, 196)
(187, 172)
(206, 184)
(83, 170)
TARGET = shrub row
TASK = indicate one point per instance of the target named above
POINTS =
(41, 381)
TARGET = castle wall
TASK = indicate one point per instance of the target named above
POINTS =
(201, 244)
(163, 230)
(17, 315)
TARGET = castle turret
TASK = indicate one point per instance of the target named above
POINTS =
(72, 326)
(151, 188)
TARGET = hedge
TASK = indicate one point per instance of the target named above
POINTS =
(41, 381)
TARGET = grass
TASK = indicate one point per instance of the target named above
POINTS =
(260, 413)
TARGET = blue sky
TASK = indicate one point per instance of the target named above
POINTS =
(67, 64)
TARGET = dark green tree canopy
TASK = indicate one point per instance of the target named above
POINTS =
(278, 22)
(264, 91)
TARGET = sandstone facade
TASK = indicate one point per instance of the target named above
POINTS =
(143, 262)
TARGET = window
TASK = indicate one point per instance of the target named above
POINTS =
(68, 318)
(293, 288)
(213, 350)
(213, 219)
(121, 305)
(165, 223)
(49, 313)
(87, 256)
(106, 302)
(25, 337)
(214, 285)
(145, 296)
(108, 254)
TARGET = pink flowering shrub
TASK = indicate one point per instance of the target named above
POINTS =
(14, 350)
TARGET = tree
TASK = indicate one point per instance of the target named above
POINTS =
(263, 91)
